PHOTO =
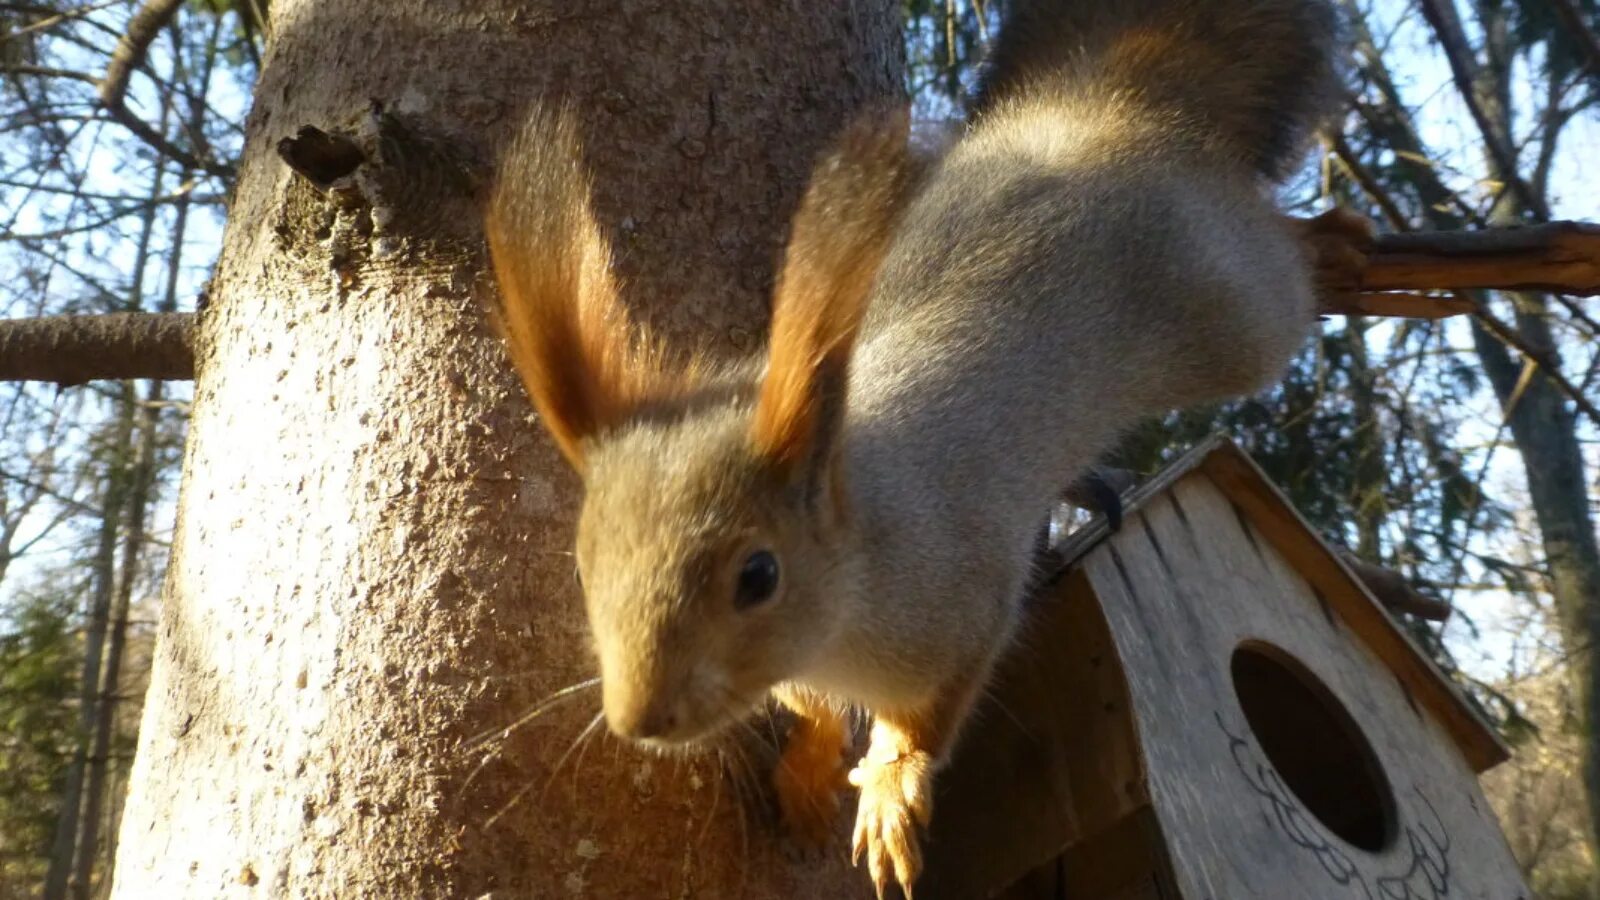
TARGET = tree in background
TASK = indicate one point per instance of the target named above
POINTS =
(112, 139)
(39, 665)
(1539, 793)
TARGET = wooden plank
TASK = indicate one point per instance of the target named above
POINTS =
(1187, 581)
(1399, 305)
(1124, 862)
(1049, 758)
(1248, 487)
(1236, 474)
(1560, 257)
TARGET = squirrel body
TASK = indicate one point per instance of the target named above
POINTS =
(966, 416)
(851, 520)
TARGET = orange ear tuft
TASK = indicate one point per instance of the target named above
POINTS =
(837, 243)
(559, 313)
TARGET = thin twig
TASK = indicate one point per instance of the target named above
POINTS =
(131, 49)
(57, 19)
(1509, 336)
(1441, 15)
(47, 72)
(1580, 32)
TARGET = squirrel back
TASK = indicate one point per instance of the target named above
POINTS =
(1249, 77)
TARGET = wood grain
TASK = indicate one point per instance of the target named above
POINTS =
(1560, 257)
(1192, 576)
(1050, 758)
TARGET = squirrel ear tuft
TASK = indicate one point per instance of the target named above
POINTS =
(837, 241)
(558, 310)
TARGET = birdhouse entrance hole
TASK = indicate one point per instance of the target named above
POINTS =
(1315, 745)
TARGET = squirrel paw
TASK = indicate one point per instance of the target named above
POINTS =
(896, 798)
(809, 776)
(1338, 241)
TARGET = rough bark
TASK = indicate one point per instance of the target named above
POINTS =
(1555, 256)
(371, 560)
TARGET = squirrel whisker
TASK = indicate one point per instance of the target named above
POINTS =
(539, 708)
(581, 740)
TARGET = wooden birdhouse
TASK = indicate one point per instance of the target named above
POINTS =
(1208, 705)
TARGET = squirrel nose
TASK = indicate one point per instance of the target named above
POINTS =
(641, 721)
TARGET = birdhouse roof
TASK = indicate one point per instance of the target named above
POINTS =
(1256, 499)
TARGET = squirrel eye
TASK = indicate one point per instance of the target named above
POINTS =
(758, 580)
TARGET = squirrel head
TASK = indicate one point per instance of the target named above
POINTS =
(713, 544)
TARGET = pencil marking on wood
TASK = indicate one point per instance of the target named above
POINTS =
(1427, 872)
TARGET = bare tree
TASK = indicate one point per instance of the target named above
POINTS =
(1522, 354)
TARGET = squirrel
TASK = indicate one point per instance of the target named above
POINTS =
(847, 520)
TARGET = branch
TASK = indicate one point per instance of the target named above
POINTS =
(72, 350)
(1399, 305)
(93, 225)
(1557, 257)
(1441, 15)
(131, 49)
(1580, 32)
(46, 72)
(51, 21)
(1351, 163)
(1447, 244)
(1394, 591)
(1513, 338)
(1390, 125)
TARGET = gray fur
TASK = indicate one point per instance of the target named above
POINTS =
(1084, 257)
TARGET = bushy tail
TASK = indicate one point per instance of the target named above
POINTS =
(1255, 76)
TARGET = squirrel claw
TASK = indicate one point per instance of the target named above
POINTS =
(896, 798)
(1338, 241)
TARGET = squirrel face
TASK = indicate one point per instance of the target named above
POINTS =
(709, 575)
(712, 539)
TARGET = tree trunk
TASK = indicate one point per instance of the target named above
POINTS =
(1543, 429)
(71, 865)
(140, 481)
(63, 850)
(372, 561)
(1546, 432)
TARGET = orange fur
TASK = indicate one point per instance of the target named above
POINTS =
(838, 239)
(583, 364)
